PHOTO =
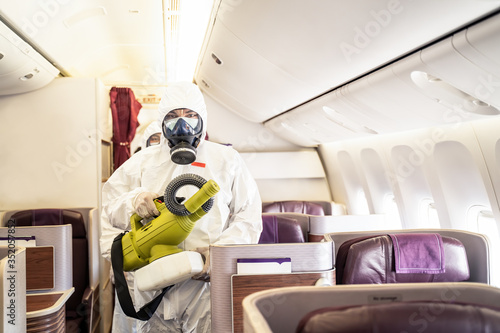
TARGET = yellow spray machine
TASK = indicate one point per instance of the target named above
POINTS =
(151, 250)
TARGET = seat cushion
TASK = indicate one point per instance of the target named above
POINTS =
(277, 229)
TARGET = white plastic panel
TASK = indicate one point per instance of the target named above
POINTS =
(344, 39)
(22, 69)
(357, 204)
(320, 225)
(60, 127)
(318, 46)
(381, 196)
(299, 164)
(490, 148)
(407, 164)
(229, 81)
(295, 175)
(480, 45)
(461, 182)
(421, 90)
(243, 135)
(329, 118)
(471, 88)
(119, 42)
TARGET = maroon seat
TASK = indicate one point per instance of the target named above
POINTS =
(421, 316)
(78, 306)
(278, 229)
(414, 258)
(303, 207)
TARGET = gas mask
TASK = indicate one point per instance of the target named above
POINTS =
(183, 135)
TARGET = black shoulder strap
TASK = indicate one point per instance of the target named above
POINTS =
(122, 288)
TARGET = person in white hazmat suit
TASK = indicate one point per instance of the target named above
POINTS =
(152, 135)
(121, 322)
(235, 217)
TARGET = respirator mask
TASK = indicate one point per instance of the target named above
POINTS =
(183, 129)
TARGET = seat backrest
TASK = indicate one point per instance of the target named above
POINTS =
(302, 207)
(280, 229)
(44, 217)
(476, 246)
(401, 258)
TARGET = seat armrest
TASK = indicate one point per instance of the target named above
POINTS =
(87, 296)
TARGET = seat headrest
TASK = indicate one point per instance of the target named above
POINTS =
(373, 259)
(402, 317)
(41, 217)
(303, 207)
(278, 229)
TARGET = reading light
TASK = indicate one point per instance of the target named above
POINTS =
(345, 122)
(449, 96)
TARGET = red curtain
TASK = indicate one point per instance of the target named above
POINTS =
(124, 109)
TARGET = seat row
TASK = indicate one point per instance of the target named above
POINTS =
(59, 245)
(339, 258)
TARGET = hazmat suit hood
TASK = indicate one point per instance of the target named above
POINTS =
(152, 128)
(182, 95)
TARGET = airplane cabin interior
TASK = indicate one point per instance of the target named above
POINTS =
(369, 127)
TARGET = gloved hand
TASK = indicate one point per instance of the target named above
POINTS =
(204, 275)
(144, 205)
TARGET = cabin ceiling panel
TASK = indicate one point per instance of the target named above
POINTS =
(117, 41)
(236, 75)
(321, 46)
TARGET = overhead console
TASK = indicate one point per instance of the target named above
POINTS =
(452, 81)
(332, 70)
(22, 69)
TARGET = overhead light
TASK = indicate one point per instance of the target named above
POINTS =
(185, 24)
(451, 97)
(345, 122)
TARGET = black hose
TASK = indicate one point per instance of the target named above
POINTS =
(170, 198)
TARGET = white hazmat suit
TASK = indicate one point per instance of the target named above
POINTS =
(235, 217)
(121, 322)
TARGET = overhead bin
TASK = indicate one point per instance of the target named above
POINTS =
(480, 44)
(261, 59)
(452, 81)
(88, 38)
(240, 78)
(464, 82)
(22, 69)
